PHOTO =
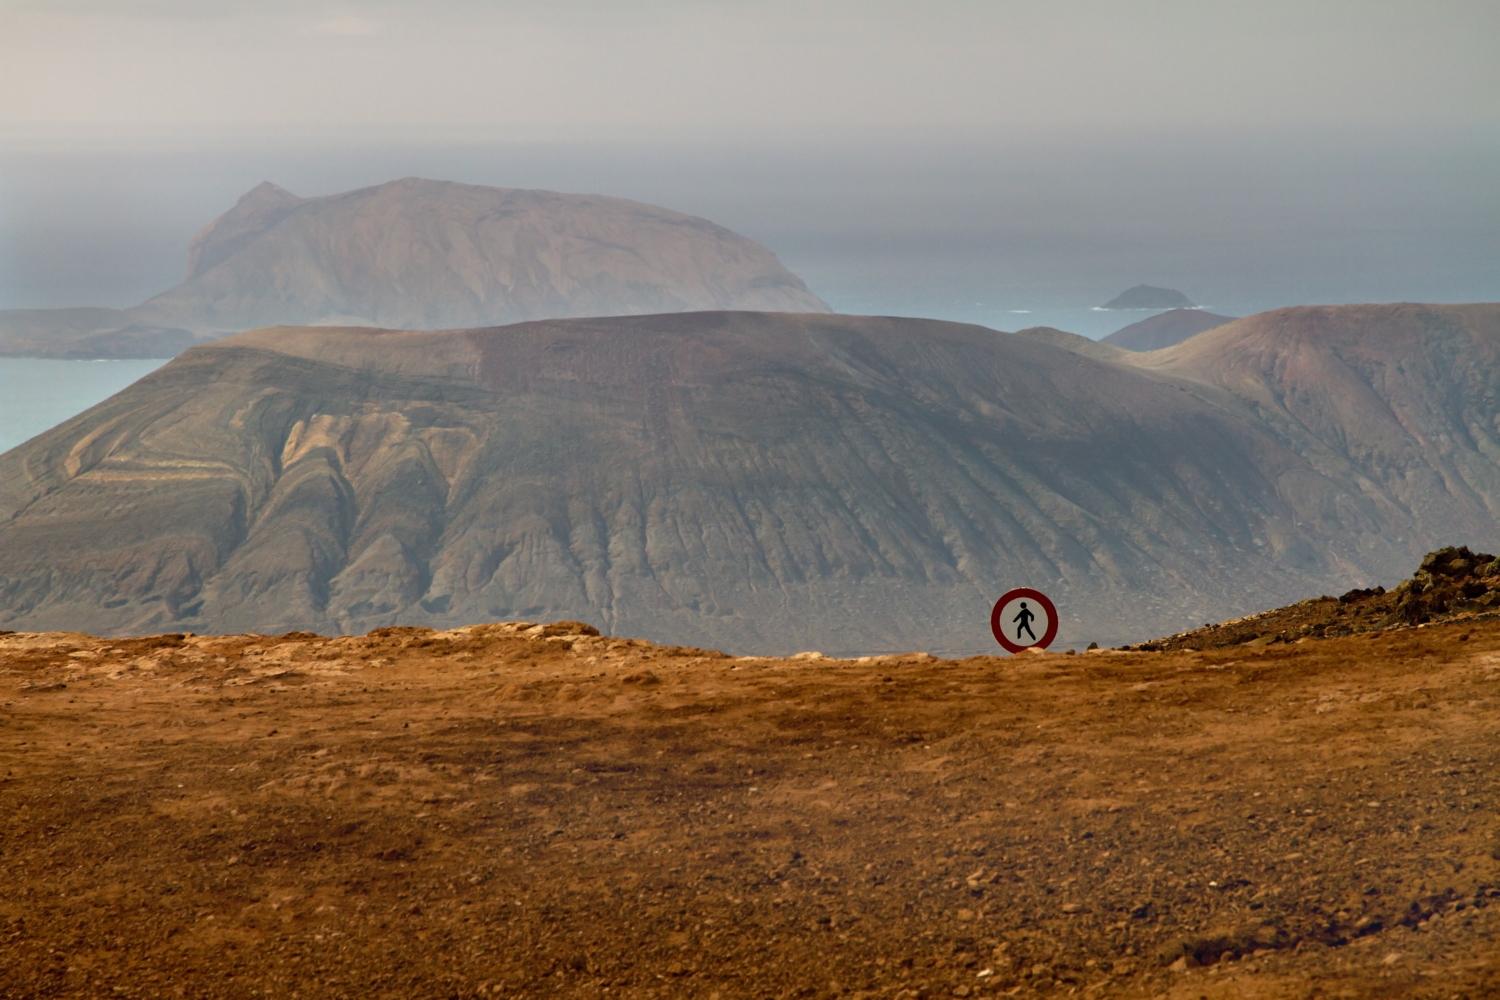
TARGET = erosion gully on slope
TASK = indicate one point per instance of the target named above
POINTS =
(519, 810)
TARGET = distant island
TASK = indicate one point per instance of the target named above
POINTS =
(421, 254)
(1147, 297)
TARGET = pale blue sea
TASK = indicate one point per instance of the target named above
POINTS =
(38, 393)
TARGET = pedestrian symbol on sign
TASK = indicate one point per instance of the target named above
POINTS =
(1024, 619)
(1024, 616)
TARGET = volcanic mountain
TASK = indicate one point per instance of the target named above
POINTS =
(425, 254)
(1149, 297)
(1165, 329)
(757, 482)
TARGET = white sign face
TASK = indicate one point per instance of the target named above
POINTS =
(1024, 621)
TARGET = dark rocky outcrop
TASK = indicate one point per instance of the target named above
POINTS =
(1452, 584)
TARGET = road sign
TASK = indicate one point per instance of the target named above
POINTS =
(1024, 619)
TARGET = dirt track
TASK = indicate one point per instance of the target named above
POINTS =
(504, 812)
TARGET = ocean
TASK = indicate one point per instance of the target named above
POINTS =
(38, 393)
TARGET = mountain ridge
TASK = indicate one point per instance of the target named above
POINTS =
(421, 254)
(765, 482)
(262, 207)
(1165, 329)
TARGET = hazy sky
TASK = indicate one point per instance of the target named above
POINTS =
(955, 159)
(559, 68)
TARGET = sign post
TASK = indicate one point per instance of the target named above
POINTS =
(1024, 619)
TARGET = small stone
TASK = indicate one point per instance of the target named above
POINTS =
(1181, 965)
(966, 914)
(960, 991)
(1072, 908)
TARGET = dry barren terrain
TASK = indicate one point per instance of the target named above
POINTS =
(516, 810)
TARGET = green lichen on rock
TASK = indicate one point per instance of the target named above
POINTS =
(1450, 581)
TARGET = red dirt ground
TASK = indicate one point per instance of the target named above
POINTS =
(509, 811)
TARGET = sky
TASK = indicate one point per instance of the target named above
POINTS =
(967, 160)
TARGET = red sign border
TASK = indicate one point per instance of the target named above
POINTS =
(1035, 595)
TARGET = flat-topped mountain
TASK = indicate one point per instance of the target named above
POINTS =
(757, 482)
(1165, 329)
(420, 254)
(1149, 297)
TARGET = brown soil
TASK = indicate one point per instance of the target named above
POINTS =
(506, 811)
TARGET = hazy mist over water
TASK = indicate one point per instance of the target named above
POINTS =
(1033, 230)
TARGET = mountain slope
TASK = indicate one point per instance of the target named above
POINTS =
(761, 482)
(1401, 401)
(256, 212)
(758, 482)
(1166, 329)
(1074, 342)
(419, 254)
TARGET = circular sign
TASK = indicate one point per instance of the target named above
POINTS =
(1024, 619)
